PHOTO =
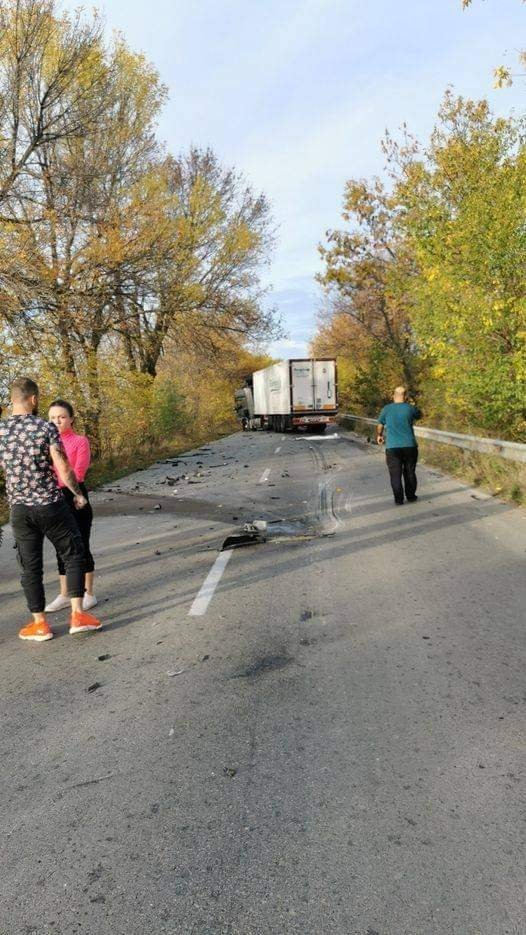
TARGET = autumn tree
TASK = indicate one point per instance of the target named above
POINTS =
(207, 378)
(110, 248)
(438, 262)
(208, 282)
(52, 88)
(366, 269)
(462, 213)
(88, 216)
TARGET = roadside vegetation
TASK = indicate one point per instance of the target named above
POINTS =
(425, 283)
(129, 276)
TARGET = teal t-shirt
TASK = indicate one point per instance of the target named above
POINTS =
(398, 420)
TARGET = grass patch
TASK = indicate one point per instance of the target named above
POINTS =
(119, 465)
(497, 476)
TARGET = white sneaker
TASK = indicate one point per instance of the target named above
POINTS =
(89, 601)
(59, 603)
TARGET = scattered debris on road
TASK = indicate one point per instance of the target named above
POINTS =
(251, 534)
(93, 688)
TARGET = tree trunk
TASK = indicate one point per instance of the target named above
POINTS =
(128, 349)
(94, 409)
(68, 359)
(155, 344)
(124, 328)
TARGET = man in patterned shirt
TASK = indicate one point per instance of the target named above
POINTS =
(29, 448)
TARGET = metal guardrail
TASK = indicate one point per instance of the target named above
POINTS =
(512, 451)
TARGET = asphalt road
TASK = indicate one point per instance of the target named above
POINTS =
(322, 734)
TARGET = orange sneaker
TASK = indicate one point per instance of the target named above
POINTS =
(83, 623)
(39, 632)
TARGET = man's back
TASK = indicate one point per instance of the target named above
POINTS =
(25, 442)
(398, 420)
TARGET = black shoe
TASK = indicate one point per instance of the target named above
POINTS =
(412, 499)
(399, 502)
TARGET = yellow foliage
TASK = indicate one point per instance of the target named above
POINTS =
(503, 78)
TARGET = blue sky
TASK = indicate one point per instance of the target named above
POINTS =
(298, 93)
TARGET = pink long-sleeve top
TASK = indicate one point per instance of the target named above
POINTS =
(78, 451)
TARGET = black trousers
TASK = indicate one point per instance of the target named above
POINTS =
(401, 463)
(31, 524)
(84, 520)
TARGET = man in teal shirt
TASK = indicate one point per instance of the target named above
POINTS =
(395, 427)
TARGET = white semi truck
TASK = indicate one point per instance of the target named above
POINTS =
(289, 395)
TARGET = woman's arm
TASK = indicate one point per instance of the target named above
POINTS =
(81, 457)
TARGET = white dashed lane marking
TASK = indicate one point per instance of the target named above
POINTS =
(207, 589)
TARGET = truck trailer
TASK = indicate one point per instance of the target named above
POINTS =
(291, 394)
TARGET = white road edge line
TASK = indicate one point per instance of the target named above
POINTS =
(264, 477)
(278, 449)
(207, 589)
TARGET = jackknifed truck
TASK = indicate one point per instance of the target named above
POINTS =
(290, 395)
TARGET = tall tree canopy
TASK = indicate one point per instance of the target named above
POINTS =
(109, 248)
(446, 278)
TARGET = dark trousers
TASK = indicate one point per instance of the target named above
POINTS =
(401, 463)
(31, 524)
(84, 520)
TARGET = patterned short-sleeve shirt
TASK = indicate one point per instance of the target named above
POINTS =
(25, 458)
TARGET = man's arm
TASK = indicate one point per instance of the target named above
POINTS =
(380, 428)
(66, 474)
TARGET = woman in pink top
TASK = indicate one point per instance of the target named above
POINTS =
(79, 456)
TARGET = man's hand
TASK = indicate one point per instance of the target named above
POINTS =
(80, 501)
(380, 439)
(66, 473)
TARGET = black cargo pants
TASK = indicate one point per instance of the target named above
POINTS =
(401, 463)
(31, 524)
(84, 521)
